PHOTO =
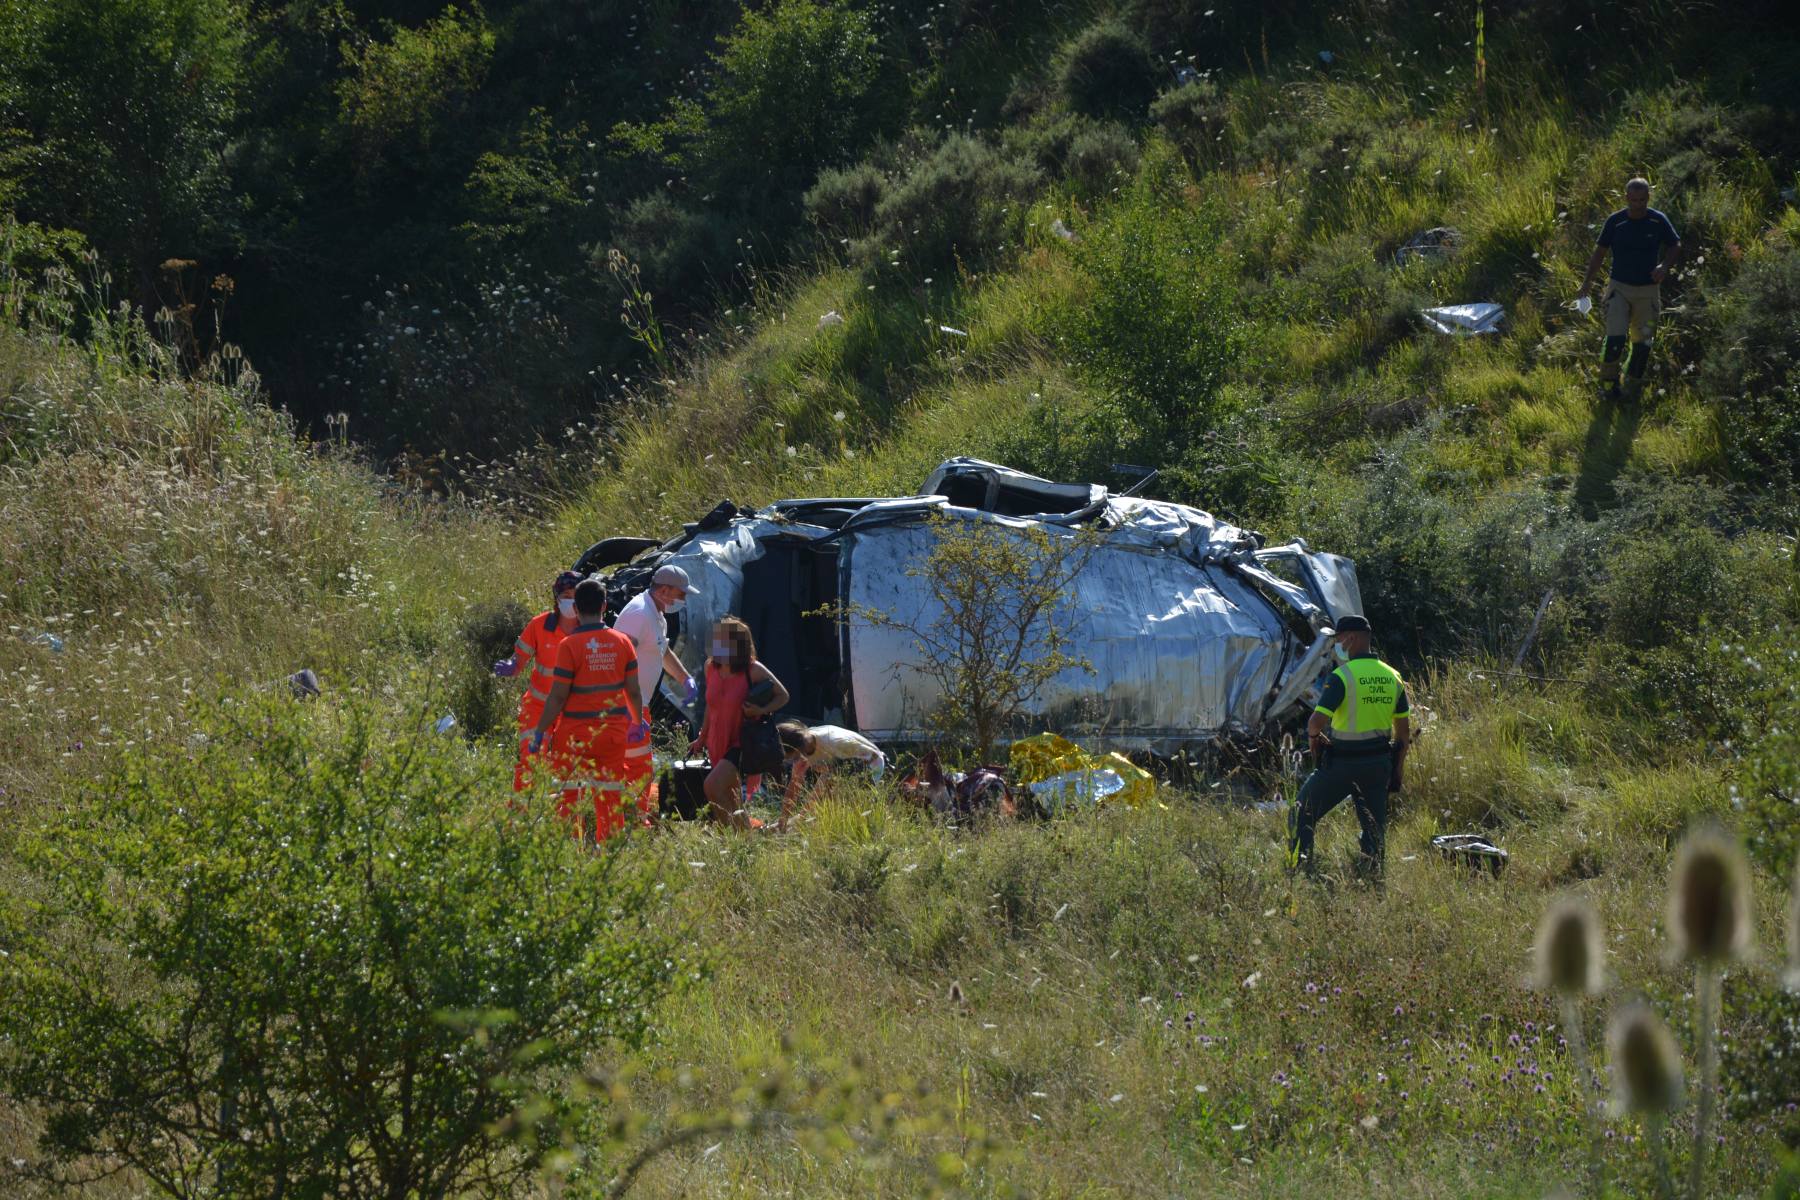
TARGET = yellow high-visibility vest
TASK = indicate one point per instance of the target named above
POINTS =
(1371, 690)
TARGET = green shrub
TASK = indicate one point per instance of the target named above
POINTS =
(1751, 372)
(965, 200)
(1339, 281)
(1679, 136)
(1157, 321)
(1107, 72)
(1665, 700)
(1100, 159)
(252, 962)
(1236, 469)
(528, 188)
(679, 248)
(482, 703)
(402, 94)
(1447, 567)
(1659, 583)
(1193, 117)
(842, 202)
(1063, 437)
(1443, 567)
(1046, 140)
(1314, 142)
(1767, 677)
(1402, 534)
(797, 90)
(124, 108)
(1758, 1070)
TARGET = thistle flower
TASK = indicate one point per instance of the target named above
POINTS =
(1569, 948)
(1646, 1065)
(1709, 906)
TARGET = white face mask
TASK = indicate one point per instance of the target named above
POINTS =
(721, 650)
(566, 606)
(1338, 652)
(677, 604)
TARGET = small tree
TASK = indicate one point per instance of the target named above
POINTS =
(253, 966)
(991, 639)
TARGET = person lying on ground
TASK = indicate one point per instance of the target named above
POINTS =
(821, 747)
(732, 669)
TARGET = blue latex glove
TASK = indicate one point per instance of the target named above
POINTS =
(693, 690)
(534, 741)
(637, 731)
(506, 668)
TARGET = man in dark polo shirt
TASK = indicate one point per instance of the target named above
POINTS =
(1644, 246)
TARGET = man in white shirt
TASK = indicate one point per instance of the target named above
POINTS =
(820, 746)
(645, 621)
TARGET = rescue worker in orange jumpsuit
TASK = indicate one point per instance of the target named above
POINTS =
(537, 645)
(594, 718)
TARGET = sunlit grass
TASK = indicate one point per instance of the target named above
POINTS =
(1148, 994)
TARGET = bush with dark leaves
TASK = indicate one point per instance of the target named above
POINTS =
(842, 203)
(965, 200)
(1100, 159)
(1752, 371)
(1107, 72)
(308, 953)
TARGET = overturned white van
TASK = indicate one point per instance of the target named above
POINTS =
(1195, 630)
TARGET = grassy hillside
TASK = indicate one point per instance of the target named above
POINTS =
(1123, 1002)
(171, 530)
(1252, 245)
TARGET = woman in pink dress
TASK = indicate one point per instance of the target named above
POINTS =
(732, 670)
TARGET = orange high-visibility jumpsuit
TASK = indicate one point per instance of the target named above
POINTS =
(538, 643)
(590, 749)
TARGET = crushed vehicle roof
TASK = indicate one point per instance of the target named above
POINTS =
(1195, 629)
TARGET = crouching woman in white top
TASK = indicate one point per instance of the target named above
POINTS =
(821, 746)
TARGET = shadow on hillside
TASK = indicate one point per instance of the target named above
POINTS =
(1603, 454)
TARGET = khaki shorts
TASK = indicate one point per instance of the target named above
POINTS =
(1632, 308)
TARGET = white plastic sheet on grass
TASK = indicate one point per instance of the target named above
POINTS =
(1465, 320)
(1086, 788)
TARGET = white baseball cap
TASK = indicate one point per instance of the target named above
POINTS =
(673, 576)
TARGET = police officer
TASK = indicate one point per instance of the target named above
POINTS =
(1359, 734)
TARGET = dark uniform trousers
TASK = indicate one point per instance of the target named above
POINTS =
(1363, 779)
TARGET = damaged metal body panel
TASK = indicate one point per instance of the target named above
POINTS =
(1194, 629)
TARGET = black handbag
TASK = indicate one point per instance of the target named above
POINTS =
(759, 747)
